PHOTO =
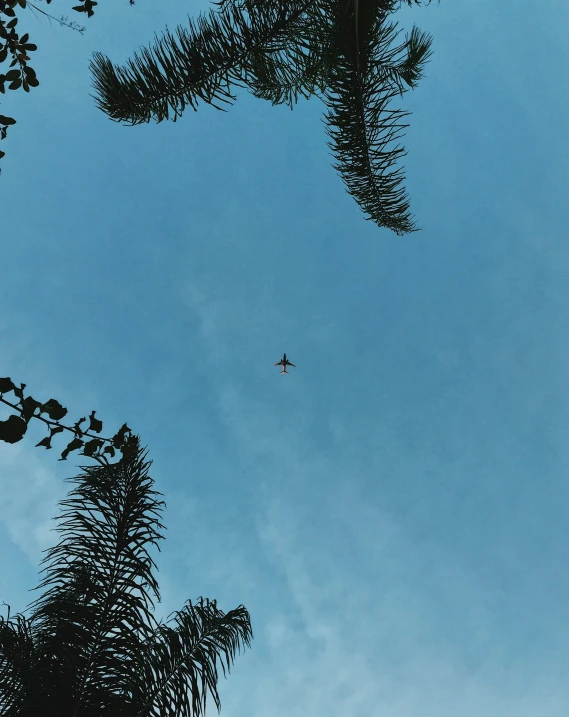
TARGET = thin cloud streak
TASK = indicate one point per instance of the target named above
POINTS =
(370, 622)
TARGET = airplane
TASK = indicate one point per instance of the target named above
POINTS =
(284, 362)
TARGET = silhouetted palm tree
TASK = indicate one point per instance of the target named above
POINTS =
(340, 50)
(91, 646)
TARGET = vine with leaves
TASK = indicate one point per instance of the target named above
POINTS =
(16, 49)
(14, 428)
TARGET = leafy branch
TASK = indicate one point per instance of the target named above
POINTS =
(17, 48)
(14, 428)
(63, 21)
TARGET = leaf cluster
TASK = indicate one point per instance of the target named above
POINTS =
(15, 49)
(51, 412)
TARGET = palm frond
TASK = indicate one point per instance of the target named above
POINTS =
(361, 126)
(91, 646)
(294, 65)
(97, 607)
(182, 663)
(203, 62)
(282, 76)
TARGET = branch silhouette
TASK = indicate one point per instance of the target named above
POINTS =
(14, 428)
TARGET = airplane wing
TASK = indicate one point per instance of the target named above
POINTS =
(280, 363)
(290, 364)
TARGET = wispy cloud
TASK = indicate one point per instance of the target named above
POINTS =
(372, 641)
(30, 492)
(354, 614)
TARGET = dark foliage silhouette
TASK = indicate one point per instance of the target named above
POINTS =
(343, 51)
(15, 426)
(91, 645)
(16, 48)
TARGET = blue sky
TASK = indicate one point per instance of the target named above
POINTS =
(393, 512)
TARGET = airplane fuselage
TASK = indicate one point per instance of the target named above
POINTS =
(284, 362)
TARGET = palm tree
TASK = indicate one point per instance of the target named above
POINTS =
(91, 645)
(339, 50)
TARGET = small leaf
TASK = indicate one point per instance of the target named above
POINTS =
(33, 81)
(7, 120)
(94, 423)
(12, 23)
(73, 446)
(13, 429)
(45, 442)
(92, 446)
(110, 450)
(24, 38)
(54, 409)
(20, 391)
(6, 385)
(29, 406)
(80, 8)
(77, 424)
(12, 75)
(15, 85)
(54, 430)
(30, 47)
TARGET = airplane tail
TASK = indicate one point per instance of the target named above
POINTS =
(284, 370)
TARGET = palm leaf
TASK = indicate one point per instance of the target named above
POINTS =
(182, 662)
(338, 49)
(296, 64)
(362, 128)
(203, 62)
(100, 586)
(92, 646)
